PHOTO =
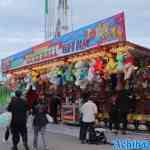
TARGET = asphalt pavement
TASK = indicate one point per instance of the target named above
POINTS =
(64, 137)
(56, 142)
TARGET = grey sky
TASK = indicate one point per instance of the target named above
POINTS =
(21, 21)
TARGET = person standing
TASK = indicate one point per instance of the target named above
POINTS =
(55, 106)
(31, 96)
(114, 115)
(18, 108)
(124, 106)
(88, 111)
(39, 111)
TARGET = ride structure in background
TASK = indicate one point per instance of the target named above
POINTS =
(57, 18)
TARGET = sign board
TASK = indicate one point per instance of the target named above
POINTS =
(102, 32)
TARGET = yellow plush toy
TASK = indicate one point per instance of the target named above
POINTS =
(111, 66)
(34, 75)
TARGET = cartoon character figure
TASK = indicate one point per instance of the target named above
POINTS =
(120, 59)
(128, 66)
(111, 66)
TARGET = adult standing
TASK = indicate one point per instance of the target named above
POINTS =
(18, 108)
(40, 121)
(55, 106)
(114, 115)
(31, 96)
(88, 111)
(124, 106)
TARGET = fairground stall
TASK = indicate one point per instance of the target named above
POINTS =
(95, 59)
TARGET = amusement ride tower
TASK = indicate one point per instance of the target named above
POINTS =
(58, 18)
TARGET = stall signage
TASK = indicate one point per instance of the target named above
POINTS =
(42, 54)
(103, 32)
(5, 64)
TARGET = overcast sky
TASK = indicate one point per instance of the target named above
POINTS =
(22, 21)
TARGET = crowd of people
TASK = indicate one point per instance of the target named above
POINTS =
(35, 104)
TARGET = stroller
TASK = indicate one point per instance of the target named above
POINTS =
(97, 136)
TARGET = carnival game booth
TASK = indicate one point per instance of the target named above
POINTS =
(88, 59)
(101, 82)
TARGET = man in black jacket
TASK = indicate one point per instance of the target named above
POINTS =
(55, 105)
(124, 105)
(18, 108)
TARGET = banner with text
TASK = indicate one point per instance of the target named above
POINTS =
(100, 33)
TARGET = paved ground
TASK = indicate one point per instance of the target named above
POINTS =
(57, 142)
(73, 131)
(63, 137)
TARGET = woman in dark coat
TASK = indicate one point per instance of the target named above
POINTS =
(114, 112)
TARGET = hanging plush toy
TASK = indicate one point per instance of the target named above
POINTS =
(120, 58)
(34, 75)
(68, 75)
(99, 65)
(60, 76)
(91, 73)
(111, 66)
(128, 66)
(52, 76)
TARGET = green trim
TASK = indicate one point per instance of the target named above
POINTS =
(46, 7)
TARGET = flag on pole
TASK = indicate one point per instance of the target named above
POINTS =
(46, 7)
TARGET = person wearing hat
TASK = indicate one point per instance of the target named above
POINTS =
(18, 108)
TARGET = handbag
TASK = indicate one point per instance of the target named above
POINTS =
(5, 119)
(49, 118)
(7, 134)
